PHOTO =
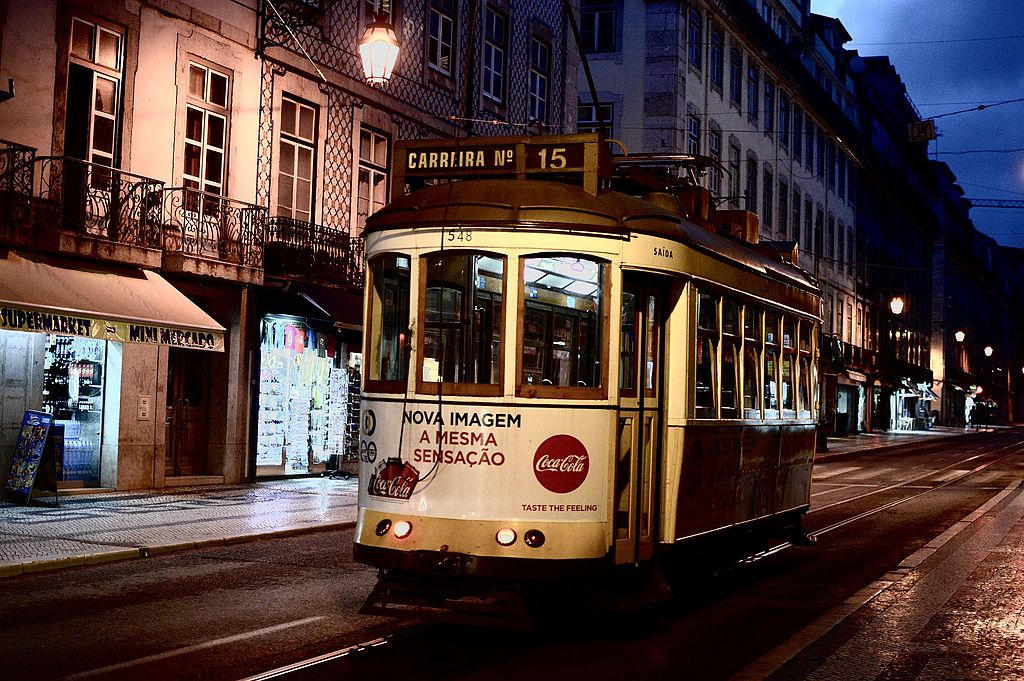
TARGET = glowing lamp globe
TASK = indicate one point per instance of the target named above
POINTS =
(988, 350)
(959, 335)
(896, 305)
(378, 48)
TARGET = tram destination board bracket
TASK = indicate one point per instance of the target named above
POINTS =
(582, 158)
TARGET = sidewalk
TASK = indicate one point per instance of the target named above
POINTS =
(103, 527)
(894, 438)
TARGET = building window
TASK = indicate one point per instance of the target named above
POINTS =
(796, 215)
(769, 106)
(808, 229)
(783, 119)
(590, 118)
(753, 91)
(296, 154)
(540, 70)
(442, 38)
(598, 26)
(849, 252)
(768, 207)
(94, 92)
(751, 184)
(716, 56)
(783, 208)
(715, 152)
(495, 49)
(841, 184)
(819, 133)
(372, 184)
(734, 175)
(832, 239)
(206, 129)
(692, 135)
(819, 230)
(851, 185)
(830, 163)
(842, 245)
(696, 40)
(809, 148)
(798, 134)
(735, 76)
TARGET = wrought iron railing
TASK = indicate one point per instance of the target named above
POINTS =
(98, 201)
(16, 167)
(207, 225)
(321, 253)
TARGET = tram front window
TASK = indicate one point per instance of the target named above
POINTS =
(562, 319)
(462, 319)
(389, 323)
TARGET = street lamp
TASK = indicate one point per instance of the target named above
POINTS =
(378, 48)
(988, 350)
(959, 335)
(896, 305)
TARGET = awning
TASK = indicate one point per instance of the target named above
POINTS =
(929, 394)
(131, 306)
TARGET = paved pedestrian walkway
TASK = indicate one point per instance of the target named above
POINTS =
(892, 438)
(102, 527)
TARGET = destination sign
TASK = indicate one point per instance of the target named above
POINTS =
(457, 160)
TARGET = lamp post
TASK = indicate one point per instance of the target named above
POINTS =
(378, 49)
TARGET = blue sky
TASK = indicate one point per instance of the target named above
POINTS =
(949, 76)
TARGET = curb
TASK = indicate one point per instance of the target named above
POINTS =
(824, 456)
(116, 555)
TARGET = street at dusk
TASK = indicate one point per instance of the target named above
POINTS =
(489, 339)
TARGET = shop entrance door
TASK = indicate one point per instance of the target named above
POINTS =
(639, 428)
(188, 412)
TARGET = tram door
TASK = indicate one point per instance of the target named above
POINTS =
(640, 369)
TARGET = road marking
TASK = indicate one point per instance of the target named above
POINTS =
(774, 659)
(946, 477)
(838, 471)
(193, 648)
(871, 473)
(834, 489)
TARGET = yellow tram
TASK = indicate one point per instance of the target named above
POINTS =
(560, 377)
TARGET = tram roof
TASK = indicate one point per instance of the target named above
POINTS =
(557, 205)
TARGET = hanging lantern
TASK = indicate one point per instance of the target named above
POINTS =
(896, 305)
(378, 48)
(988, 350)
(959, 335)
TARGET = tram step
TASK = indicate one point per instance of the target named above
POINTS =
(448, 601)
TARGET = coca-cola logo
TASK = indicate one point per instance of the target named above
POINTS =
(393, 479)
(561, 463)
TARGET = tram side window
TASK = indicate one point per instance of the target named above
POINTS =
(751, 362)
(563, 300)
(771, 366)
(730, 359)
(804, 372)
(788, 397)
(462, 323)
(627, 344)
(389, 323)
(707, 340)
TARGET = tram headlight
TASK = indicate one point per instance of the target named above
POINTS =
(534, 539)
(506, 536)
(402, 529)
(382, 527)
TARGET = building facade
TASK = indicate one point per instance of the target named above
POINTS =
(227, 153)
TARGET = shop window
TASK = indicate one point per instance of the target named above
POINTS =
(372, 182)
(563, 342)
(462, 297)
(388, 325)
(297, 151)
(73, 391)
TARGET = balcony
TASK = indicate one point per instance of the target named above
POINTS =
(319, 254)
(215, 236)
(16, 163)
(95, 211)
